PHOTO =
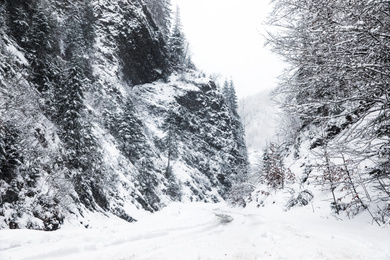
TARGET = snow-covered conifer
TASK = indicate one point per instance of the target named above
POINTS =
(178, 46)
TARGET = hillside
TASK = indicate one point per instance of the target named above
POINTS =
(98, 115)
(334, 143)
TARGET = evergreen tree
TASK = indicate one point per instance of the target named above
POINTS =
(70, 106)
(171, 145)
(34, 28)
(83, 155)
(170, 142)
(225, 92)
(18, 20)
(10, 157)
(230, 96)
(147, 182)
(178, 47)
(79, 38)
(41, 35)
(69, 96)
(131, 133)
(233, 98)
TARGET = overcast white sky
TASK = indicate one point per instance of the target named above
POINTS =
(225, 38)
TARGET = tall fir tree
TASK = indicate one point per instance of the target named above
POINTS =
(241, 157)
(170, 142)
(230, 96)
(83, 152)
(131, 134)
(225, 91)
(233, 98)
(178, 46)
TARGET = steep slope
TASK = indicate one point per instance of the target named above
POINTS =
(335, 95)
(91, 121)
(330, 168)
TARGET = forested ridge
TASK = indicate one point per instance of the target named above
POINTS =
(102, 110)
(335, 94)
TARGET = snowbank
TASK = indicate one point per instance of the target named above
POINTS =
(204, 231)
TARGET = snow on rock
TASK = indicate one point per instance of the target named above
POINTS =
(101, 145)
(204, 231)
(14, 52)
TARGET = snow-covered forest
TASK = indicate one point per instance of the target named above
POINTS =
(335, 95)
(103, 110)
(114, 140)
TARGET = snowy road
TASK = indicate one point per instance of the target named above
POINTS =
(204, 231)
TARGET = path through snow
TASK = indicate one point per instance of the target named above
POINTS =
(204, 231)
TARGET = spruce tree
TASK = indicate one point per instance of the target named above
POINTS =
(33, 27)
(83, 155)
(178, 46)
(170, 141)
(225, 91)
(230, 96)
(10, 157)
(18, 20)
(133, 143)
(171, 146)
(233, 98)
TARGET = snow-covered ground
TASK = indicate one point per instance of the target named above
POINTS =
(205, 231)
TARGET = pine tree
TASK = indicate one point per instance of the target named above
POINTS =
(147, 182)
(70, 106)
(69, 96)
(42, 32)
(240, 151)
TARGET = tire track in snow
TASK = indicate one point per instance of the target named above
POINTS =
(202, 232)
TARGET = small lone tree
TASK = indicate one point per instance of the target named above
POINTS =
(170, 142)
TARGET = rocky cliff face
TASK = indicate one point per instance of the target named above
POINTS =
(92, 121)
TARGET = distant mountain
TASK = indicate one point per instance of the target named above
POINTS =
(260, 118)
